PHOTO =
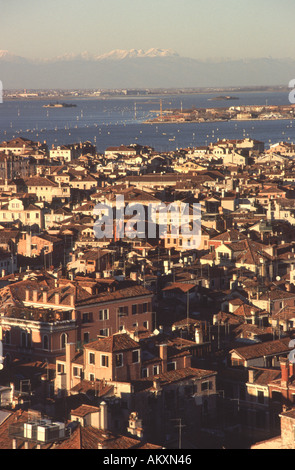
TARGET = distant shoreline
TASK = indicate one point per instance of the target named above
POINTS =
(151, 94)
(217, 120)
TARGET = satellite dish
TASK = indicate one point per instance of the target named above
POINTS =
(278, 278)
(292, 344)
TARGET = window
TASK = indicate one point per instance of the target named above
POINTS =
(123, 311)
(60, 368)
(104, 332)
(63, 340)
(144, 373)
(134, 309)
(45, 342)
(86, 317)
(144, 307)
(206, 386)
(146, 324)
(104, 314)
(104, 361)
(260, 397)
(156, 370)
(91, 358)
(91, 377)
(76, 372)
(86, 337)
(171, 366)
(119, 360)
(135, 356)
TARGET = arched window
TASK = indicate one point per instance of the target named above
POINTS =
(63, 340)
(45, 342)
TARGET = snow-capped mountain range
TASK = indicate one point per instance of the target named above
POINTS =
(116, 54)
(136, 68)
(119, 54)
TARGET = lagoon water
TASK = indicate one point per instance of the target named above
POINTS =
(115, 121)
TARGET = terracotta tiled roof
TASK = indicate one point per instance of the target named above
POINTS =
(170, 377)
(84, 410)
(135, 291)
(248, 310)
(116, 342)
(99, 387)
(269, 348)
(39, 181)
(230, 235)
(285, 313)
(276, 294)
(92, 438)
(179, 286)
(265, 376)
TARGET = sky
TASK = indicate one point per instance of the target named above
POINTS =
(200, 29)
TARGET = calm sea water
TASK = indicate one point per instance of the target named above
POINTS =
(116, 121)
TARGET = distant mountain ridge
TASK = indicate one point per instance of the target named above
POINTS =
(136, 68)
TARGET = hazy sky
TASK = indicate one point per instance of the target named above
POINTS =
(193, 28)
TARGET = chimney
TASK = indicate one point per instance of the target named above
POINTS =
(27, 295)
(163, 356)
(14, 444)
(103, 416)
(35, 295)
(72, 300)
(45, 297)
(251, 375)
(284, 363)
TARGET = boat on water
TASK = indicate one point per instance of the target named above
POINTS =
(59, 105)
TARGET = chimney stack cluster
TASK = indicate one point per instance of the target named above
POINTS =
(287, 371)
